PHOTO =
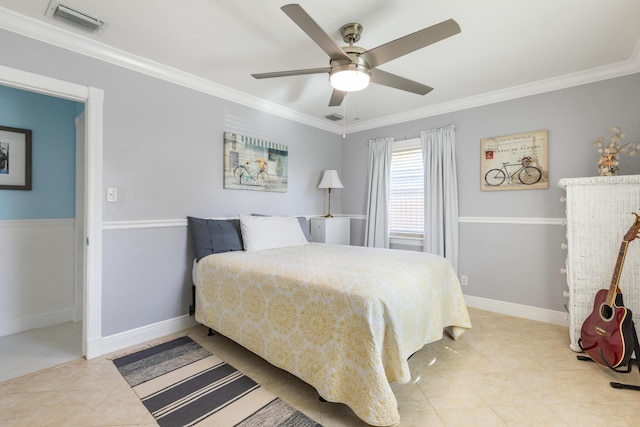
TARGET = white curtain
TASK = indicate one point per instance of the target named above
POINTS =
(441, 193)
(377, 227)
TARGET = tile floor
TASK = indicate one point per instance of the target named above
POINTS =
(38, 349)
(506, 371)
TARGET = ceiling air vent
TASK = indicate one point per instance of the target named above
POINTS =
(334, 117)
(76, 18)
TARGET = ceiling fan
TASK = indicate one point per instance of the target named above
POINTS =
(351, 68)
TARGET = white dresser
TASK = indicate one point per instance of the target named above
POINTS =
(598, 216)
(336, 230)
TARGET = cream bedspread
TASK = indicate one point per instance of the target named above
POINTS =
(344, 319)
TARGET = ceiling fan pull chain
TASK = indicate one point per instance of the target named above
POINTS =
(356, 114)
(344, 118)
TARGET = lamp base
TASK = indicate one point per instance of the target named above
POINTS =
(328, 216)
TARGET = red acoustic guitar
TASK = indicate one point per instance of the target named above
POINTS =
(607, 333)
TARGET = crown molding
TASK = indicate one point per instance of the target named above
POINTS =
(83, 45)
(620, 69)
(59, 37)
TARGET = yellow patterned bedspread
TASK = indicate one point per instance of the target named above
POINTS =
(344, 319)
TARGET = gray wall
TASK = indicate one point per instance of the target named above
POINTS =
(163, 150)
(510, 262)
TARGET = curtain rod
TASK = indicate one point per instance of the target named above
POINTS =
(432, 129)
(418, 136)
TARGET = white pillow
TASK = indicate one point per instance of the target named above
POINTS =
(270, 232)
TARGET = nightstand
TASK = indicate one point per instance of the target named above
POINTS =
(336, 230)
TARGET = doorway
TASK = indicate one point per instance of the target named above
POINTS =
(89, 244)
(41, 293)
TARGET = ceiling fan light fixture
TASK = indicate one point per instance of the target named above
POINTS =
(350, 77)
(351, 66)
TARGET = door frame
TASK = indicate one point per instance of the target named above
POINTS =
(92, 242)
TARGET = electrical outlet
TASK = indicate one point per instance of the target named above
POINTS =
(464, 280)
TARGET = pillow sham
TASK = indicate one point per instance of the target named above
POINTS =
(270, 232)
(304, 225)
(214, 236)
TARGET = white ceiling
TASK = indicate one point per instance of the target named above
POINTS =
(506, 48)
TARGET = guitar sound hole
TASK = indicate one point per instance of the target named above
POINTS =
(606, 312)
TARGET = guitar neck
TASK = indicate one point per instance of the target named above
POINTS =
(615, 279)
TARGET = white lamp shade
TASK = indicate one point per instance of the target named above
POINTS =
(330, 179)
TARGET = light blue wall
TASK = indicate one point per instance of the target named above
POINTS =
(51, 121)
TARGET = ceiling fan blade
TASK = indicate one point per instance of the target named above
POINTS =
(387, 79)
(291, 73)
(336, 98)
(313, 30)
(412, 42)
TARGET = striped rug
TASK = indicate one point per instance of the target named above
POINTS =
(182, 384)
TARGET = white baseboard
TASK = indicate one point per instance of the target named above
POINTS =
(16, 326)
(518, 310)
(143, 334)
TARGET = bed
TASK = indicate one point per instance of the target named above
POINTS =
(344, 319)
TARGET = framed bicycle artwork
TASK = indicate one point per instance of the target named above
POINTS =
(254, 164)
(515, 162)
(15, 158)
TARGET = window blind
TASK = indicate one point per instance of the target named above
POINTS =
(406, 192)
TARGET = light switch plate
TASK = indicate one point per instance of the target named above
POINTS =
(112, 194)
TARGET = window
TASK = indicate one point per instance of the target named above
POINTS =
(406, 190)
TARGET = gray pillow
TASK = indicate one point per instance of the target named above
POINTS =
(304, 224)
(214, 236)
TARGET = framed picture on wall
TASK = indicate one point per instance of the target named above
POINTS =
(15, 158)
(515, 162)
(254, 164)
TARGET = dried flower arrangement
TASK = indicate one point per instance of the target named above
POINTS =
(608, 163)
